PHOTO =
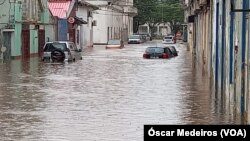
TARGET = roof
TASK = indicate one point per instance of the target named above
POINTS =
(80, 20)
(59, 9)
(94, 7)
(59, 42)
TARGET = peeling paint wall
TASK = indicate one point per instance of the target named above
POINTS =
(226, 33)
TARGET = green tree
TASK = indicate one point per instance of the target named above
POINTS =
(146, 13)
(173, 15)
(151, 12)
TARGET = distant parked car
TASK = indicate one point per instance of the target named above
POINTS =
(60, 51)
(135, 39)
(144, 37)
(115, 43)
(156, 52)
(147, 36)
(172, 34)
(169, 40)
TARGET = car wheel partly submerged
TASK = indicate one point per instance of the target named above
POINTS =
(57, 55)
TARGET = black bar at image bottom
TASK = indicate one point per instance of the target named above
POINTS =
(197, 132)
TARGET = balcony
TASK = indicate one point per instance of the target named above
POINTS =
(130, 10)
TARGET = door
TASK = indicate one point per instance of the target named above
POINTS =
(25, 44)
(232, 23)
(41, 42)
(7, 44)
(246, 91)
(217, 48)
(244, 42)
(223, 45)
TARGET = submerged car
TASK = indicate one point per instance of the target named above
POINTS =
(115, 43)
(156, 52)
(60, 51)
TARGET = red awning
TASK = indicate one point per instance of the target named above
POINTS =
(59, 9)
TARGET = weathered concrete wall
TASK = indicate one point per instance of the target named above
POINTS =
(227, 33)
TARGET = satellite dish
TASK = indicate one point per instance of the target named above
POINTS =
(3, 49)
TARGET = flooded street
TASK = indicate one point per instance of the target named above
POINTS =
(107, 96)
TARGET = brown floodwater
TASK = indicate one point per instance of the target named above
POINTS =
(107, 96)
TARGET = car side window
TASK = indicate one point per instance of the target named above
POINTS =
(75, 47)
(47, 47)
(72, 47)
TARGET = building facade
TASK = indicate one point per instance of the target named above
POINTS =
(114, 20)
(85, 31)
(218, 37)
(25, 26)
(158, 30)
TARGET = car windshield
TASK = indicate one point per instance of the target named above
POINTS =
(134, 37)
(114, 42)
(171, 34)
(154, 50)
(52, 46)
(168, 37)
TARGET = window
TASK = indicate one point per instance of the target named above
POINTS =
(154, 50)
(168, 37)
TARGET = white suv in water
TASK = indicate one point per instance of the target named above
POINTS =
(60, 51)
(169, 40)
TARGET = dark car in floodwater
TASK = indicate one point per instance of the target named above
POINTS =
(160, 52)
(155, 52)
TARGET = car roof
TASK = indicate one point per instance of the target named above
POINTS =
(59, 42)
(154, 47)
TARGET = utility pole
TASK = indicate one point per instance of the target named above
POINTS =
(162, 13)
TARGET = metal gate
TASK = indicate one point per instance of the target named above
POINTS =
(25, 44)
(41, 41)
(7, 44)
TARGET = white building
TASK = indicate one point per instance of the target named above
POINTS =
(84, 11)
(114, 20)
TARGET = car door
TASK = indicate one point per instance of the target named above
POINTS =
(77, 51)
(168, 51)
